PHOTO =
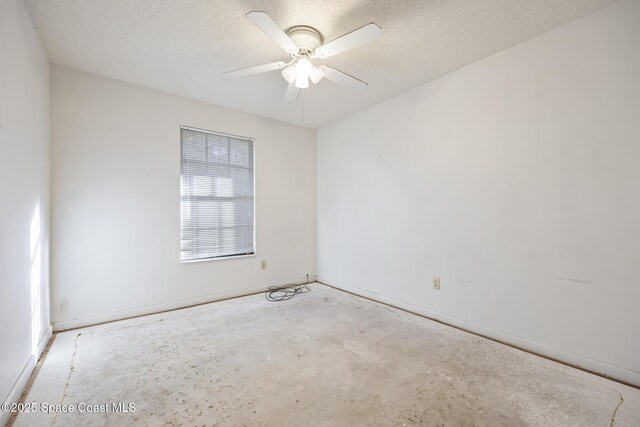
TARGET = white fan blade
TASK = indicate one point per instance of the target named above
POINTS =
(244, 72)
(270, 28)
(343, 79)
(291, 95)
(355, 38)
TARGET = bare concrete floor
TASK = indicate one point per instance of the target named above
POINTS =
(323, 358)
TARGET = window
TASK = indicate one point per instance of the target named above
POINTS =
(216, 195)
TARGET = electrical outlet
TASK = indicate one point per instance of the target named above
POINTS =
(263, 264)
(436, 283)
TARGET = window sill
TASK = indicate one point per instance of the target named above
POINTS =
(193, 261)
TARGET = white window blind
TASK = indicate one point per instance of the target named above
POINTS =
(216, 195)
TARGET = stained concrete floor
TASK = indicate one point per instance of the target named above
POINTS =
(324, 358)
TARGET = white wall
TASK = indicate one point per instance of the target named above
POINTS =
(516, 180)
(115, 216)
(24, 198)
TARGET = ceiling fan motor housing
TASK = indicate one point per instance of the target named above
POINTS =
(305, 37)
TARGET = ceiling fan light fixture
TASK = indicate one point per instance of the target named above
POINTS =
(303, 69)
(302, 81)
(303, 66)
(289, 73)
(316, 74)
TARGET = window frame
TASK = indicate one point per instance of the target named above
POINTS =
(253, 159)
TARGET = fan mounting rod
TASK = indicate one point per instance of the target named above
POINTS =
(305, 37)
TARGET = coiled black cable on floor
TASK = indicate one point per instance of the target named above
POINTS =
(286, 292)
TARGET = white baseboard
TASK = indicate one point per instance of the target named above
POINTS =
(63, 325)
(597, 366)
(18, 388)
(44, 340)
(23, 378)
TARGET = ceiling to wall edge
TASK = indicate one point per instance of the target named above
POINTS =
(339, 119)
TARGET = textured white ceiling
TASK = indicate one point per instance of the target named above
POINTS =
(182, 46)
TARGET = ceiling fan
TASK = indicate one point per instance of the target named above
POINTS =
(305, 43)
